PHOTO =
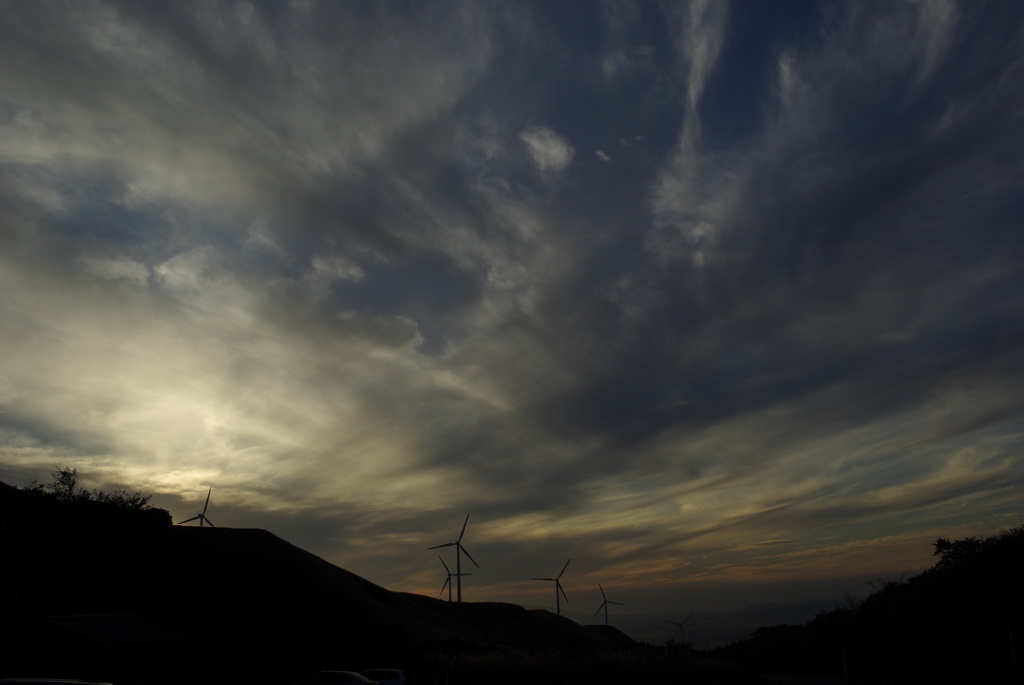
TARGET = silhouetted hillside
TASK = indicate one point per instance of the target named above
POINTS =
(958, 622)
(200, 604)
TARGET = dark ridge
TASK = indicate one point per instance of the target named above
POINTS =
(961, 621)
(239, 602)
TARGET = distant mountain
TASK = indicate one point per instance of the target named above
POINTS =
(223, 602)
(708, 630)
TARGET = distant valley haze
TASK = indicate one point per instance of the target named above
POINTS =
(724, 301)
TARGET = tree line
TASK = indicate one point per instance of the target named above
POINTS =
(960, 621)
(66, 487)
(63, 498)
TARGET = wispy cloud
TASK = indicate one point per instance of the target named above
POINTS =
(352, 267)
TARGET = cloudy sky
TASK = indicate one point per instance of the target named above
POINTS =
(723, 301)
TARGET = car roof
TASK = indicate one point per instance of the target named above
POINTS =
(328, 673)
(45, 681)
(332, 673)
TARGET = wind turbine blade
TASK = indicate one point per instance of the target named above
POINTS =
(619, 603)
(187, 520)
(686, 619)
(558, 586)
(470, 557)
(599, 610)
(445, 567)
(554, 580)
(602, 592)
(463, 528)
(447, 544)
(563, 568)
(210, 522)
(447, 581)
(207, 499)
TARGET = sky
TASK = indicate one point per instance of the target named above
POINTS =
(722, 301)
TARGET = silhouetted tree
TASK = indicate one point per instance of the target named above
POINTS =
(66, 488)
(64, 485)
(956, 552)
(122, 499)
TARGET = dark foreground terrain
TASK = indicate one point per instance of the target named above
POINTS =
(119, 594)
(110, 590)
(958, 622)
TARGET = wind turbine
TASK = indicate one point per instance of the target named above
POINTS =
(448, 581)
(604, 604)
(459, 551)
(680, 624)
(201, 516)
(558, 588)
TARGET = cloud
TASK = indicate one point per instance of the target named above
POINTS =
(549, 151)
(617, 62)
(290, 254)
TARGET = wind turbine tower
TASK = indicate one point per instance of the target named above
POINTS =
(604, 604)
(448, 581)
(682, 635)
(459, 551)
(201, 516)
(557, 580)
